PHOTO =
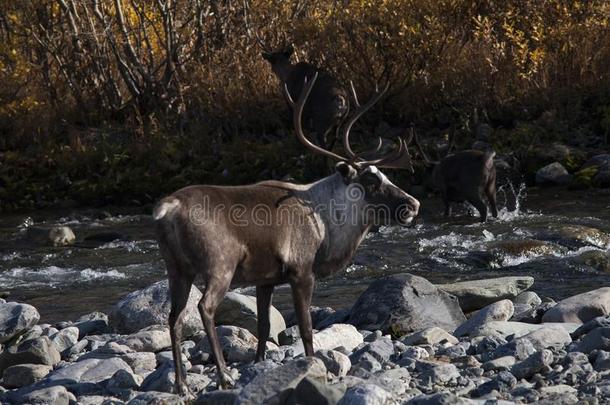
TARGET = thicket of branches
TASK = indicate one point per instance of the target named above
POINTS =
(183, 80)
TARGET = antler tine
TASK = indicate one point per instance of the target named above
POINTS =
(297, 112)
(359, 111)
(400, 159)
(420, 149)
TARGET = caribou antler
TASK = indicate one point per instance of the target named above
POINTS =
(425, 157)
(396, 159)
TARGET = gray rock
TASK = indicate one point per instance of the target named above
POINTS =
(501, 363)
(405, 303)
(15, 319)
(533, 364)
(365, 366)
(45, 396)
(314, 391)
(528, 298)
(93, 323)
(597, 339)
(336, 362)
(123, 379)
(218, 397)
(498, 311)
(65, 338)
(289, 336)
(380, 349)
(502, 382)
(238, 344)
(54, 236)
(436, 373)
(602, 361)
(441, 398)
(518, 329)
(545, 338)
(24, 374)
(275, 386)
(163, 379)
(597, 259)
(518, 348)
(429, 336)
(576, 236)
(140, 362)
(580, 308)
(33, 351)
(151, 306)
(552, 174)
(92, 371)
(339, 316)
(98, 400)
(250, 371)
(333, 337)
(476, 294)
(151, 339)
(395, 380)
(365, 394)
(156, 398)
(240, 310)
(599, 322)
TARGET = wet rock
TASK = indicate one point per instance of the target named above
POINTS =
(156, 398)
(163, 379)
(87, 372)
(65, 338)
(94, 323)
(277, 385)
(16, 319)
(528, 298)
(151, 306)
(580, 308)
(576, 236)
(476, 294)
(238, 344)
(405, 303)
(338, 335)
(502, 382)
(552, 175)
(33, 351)
(55, 236)
(151, 339)
(313, 391)
(240, 310)
(429, 336)
(101, 238)
(53, 395)
(533, 364)
(597, 339)
(365, 394)
(24, 374)
(597, 259)
(518, 329)
(498, 311)
(336, 362)
(289, 336)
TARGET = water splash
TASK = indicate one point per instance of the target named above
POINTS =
(507, 193)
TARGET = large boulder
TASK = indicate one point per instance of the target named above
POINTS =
(475, 294)
(277, 385)
(552, 174)
(33, 351)
(86, 374)
(518, 329)
(15, 319)
(580, 308)
(498, 311)
(405, 303)
(240, 310)
(151, 306)
(338, 335)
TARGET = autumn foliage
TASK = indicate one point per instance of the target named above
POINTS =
(108, 84)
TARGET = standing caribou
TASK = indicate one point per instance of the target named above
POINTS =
(329, 101)
(274, 232)
(464, 176)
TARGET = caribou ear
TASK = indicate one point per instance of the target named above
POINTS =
(346, 171)
(289, 51)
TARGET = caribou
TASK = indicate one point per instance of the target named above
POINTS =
(305, 232)
(464, 176)
(329, 101)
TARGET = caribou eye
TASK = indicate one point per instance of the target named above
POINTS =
(370, 180)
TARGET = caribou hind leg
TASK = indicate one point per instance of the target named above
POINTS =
(264, 295)
(480, 206)
(216, 287)
(490, 191)
(179, 287)
(302, 290)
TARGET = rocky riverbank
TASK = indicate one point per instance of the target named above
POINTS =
(405, 340)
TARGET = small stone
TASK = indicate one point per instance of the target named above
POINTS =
(123, 379)
(504, 381)
(380, 349)
(597, 339)
(501, 363)
(365, 394)
(553, 174)
(65, 338)
(437, 373)
(289, 336)
(156, 398)
(57, 395)
(24, 374)
(430, 336)
(336, 362)
(313, 391)
(533, 364)
(498, 311)
(528, 298)
(33, 351)
(150, 339)
(333, 337)
(238, 344)
(93, 323)
(16, 319)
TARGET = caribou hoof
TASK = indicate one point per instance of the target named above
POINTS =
(225, 380)
(183, 391)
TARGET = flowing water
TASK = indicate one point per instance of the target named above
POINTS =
(526, 239)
